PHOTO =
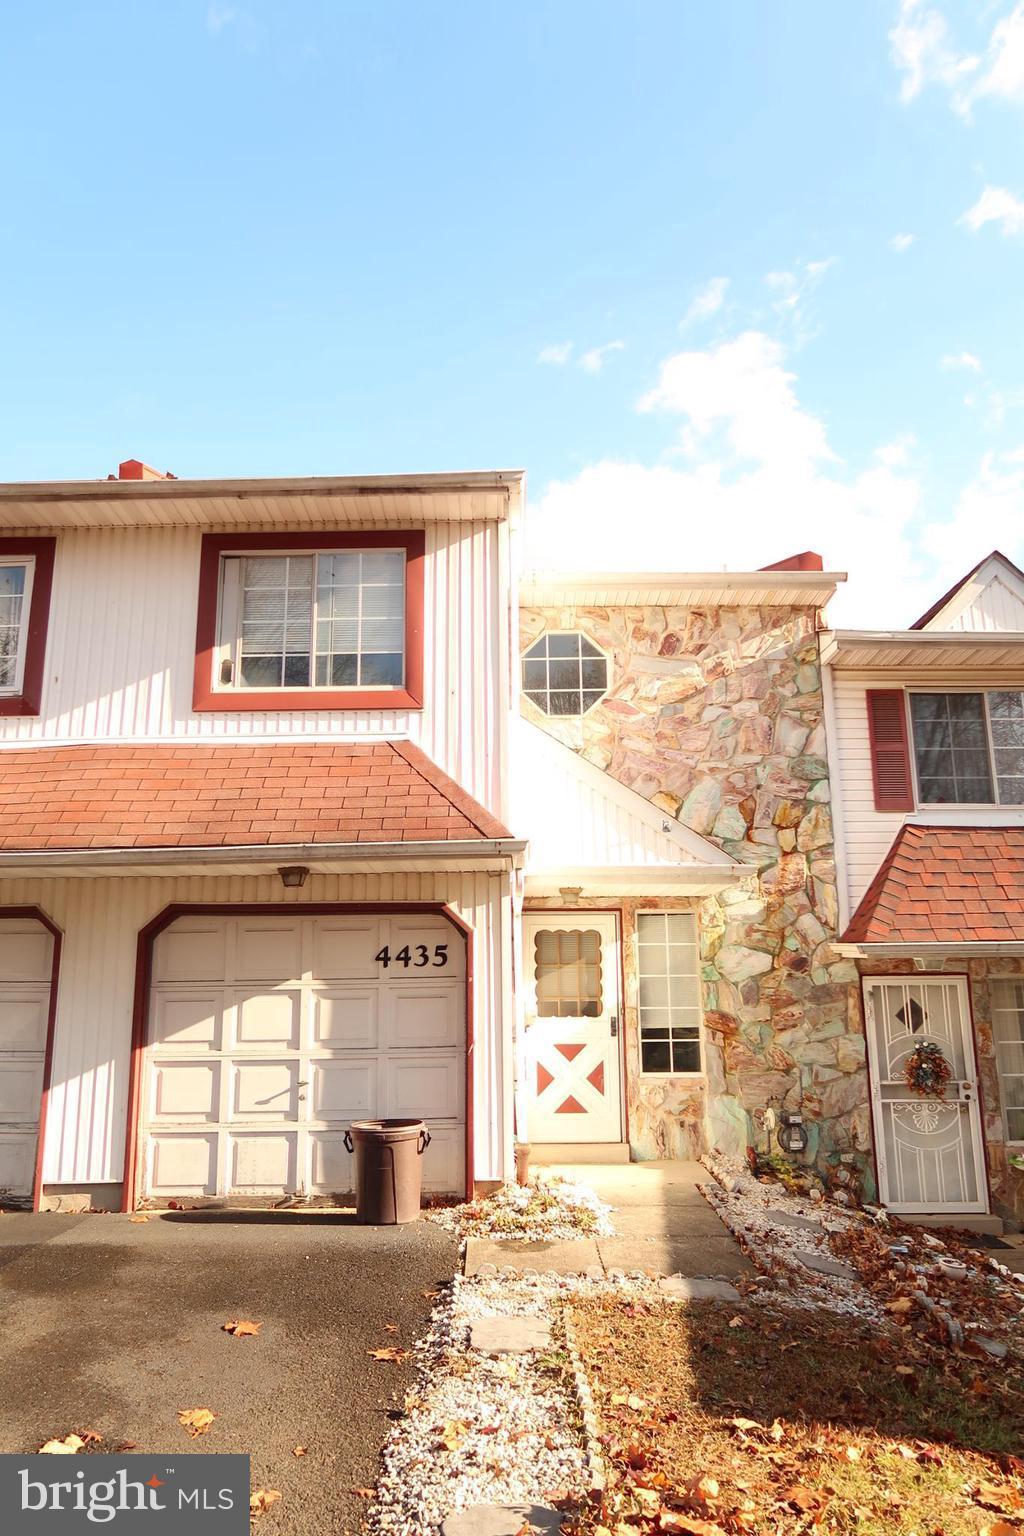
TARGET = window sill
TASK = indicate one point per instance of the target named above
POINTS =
(689, 1077)
(255, 699)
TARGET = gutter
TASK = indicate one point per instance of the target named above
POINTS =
(42, 860)
(979, 950)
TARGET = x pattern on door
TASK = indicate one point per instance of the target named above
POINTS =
(570, 1077)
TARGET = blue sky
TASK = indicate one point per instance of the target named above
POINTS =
(345, 238)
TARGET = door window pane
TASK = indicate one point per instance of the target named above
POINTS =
(951, 748)
(567, 969)
(1008, 1030)
(669, 992)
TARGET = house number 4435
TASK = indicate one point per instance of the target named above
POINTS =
(416, 955)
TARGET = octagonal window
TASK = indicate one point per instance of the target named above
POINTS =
(565, 673)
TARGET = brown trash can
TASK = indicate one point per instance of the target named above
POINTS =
(388, 1157)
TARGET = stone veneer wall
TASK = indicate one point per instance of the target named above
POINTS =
(715, 716)
(1006, 1183)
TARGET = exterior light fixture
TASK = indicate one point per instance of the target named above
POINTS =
(293, 876)
(792, 1135)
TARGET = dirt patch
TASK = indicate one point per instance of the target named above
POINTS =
(771, 1421)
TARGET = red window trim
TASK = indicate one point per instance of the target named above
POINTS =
(205, 696)
(29, 700)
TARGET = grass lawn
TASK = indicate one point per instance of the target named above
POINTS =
(764, 1419)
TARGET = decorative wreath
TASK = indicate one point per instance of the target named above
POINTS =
(927, 1071)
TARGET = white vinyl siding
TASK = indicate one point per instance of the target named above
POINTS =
(133, 594)
(100, 919)
(1008, 1031)
(867, 834)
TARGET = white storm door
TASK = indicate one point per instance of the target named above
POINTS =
(571, 1045)
(930, 1152)
(26, 957)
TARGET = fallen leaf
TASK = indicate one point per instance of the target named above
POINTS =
(454, 1433)
(241, 1327)
(735, 1322)
(1001, 1528)
(133, 1221)
(261, 1501)
(905, 1370)
(390, 1327)
(802, 1498)
(901, 1306)
(389, 1353)
(196, 1420)
(745, 1426)
(300, 1450)
(430, 1295)
(852, 1453)
(672, 1521)
(90, 1437)
(66, 1447)
(362, 1493)
(629, 1400)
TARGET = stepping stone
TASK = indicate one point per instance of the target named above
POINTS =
(500, 1519)
(800, 1223)
(679, 1289)
(509, 1335)
(823, 1266)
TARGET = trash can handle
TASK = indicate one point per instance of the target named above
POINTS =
(349, 1145)
(425, 1140)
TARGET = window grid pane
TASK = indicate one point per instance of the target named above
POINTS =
(1008, 1031)
(329, 620)
(951, 748)
(669, 992)
(567, 970)
(564, 674)
(12, 598)
(1006, 724)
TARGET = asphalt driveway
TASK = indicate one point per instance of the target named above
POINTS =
(113, 1326)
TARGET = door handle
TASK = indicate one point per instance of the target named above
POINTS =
(613, 1026)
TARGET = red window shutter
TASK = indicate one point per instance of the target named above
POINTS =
(890, 750)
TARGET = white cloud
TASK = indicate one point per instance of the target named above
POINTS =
(794, 294)
(1003, 71)
(762, 481)
(593, 361)
(556, 353)
(218, 17)
(707, 301)
(996, 205)
(901, 243)
(923, 51)
(961, 360)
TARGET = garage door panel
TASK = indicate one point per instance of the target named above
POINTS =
(423, 1015)
(344, 950)
(187, 1021)
(428, 1087)
(191, 951)
(17, 1162)
(268, 950)
(264, 1090)
(445, 946)
(263, 1163)
(21, 1087)
(331, 1166)
(443, 1160)
(23, 1022)
(268, 1020)
(183, 1164)
(345, 1090)
(186, 1090)
(347, 1020)
(26, 952)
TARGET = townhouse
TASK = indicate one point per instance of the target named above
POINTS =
(314, 807)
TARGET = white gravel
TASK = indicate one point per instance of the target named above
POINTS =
(522, 1441)
(549, 1207)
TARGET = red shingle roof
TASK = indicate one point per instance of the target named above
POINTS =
(945, 885)
(224, 796)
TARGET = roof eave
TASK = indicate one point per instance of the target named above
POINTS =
(452, 853)
(932, 948)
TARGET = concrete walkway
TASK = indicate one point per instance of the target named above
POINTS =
(664, 1226)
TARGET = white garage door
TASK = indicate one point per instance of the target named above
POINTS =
(26, 958)
(269, 1034)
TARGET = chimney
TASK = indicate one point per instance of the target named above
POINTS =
(807, 561)
(134, 469)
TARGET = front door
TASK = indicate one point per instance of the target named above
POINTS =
(572, 1027)
(930, 1152)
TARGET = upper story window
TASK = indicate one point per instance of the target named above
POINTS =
(310, 622)
(565, 673)
(15, 599)
(26, 580)
(969, 747)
